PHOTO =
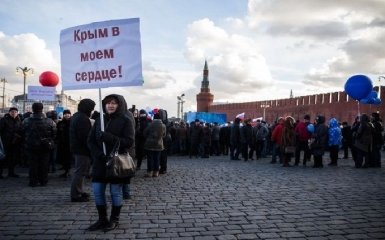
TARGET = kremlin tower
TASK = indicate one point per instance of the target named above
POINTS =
(204, 98)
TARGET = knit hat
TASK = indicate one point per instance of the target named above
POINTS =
(13, 109)
(37, 107)
(142, 113)
(67, 111)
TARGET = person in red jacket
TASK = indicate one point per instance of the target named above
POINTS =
(303, 136)
(276, 140)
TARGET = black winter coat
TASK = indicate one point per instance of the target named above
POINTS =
(80, 127)
(46, 126)
(118, 126)
(235, 135)
(9, 129)
(63, 155)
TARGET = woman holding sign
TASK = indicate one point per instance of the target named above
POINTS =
(118, 126)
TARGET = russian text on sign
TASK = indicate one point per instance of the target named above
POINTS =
(100, 54)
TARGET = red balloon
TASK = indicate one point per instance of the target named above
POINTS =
(48, 79)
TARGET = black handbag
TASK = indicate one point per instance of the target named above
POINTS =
(119, 165)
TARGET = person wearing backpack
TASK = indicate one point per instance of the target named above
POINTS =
(39, 133)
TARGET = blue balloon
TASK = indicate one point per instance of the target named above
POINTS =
(372, 94)
(377, 101)
(310, 128)
(358, 87)
(371, 99)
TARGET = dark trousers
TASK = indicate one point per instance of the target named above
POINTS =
(276, 153)
(234, 151)
(361, 155)
(247, 151)
(375, 157)
(163, 161)
(82, 169)
(225, 148)
(333, 150)
(11, 159)
(259, 148)
(215, 147)
(38, 168)
(194, 149)
(345, 147)
(139, 155)
(318, 161)
(302, 146)
(153, 161)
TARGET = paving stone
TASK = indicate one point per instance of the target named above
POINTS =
(209, 199)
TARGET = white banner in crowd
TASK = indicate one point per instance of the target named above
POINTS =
(101, 54)
(41, 93)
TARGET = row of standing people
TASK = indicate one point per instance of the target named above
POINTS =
(284, 140)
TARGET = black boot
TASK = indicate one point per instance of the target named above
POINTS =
(114, 219)
(102, 222)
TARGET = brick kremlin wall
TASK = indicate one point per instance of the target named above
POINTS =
(336, 104)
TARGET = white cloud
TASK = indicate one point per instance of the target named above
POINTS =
(24, 50)
(235, 65)
(341, 38)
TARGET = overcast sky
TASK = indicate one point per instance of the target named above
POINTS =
(256, 49)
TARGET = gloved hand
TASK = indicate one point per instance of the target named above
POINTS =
(108, 137)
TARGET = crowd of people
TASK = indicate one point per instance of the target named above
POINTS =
(84, 142)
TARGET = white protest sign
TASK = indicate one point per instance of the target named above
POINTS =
(101, 54)
(41, 93)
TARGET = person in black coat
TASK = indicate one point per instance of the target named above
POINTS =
(63, 153)
(346, 138)
(10, 126)
(195, 133)
(224, 139)
(320, 136)
(119, 125)
(247, 140)
(39, 133)
(79, 129)
(139, 137)
(378, 141)
(235, 140)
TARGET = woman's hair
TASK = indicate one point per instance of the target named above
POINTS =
(110, 98)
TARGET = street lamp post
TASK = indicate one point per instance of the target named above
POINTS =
(3, 80)
(25, 71)
(379, 86)
(178, 107)
(264, 106)
(180, 103)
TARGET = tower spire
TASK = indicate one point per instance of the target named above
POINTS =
(205, 82)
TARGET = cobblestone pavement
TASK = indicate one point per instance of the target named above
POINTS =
(212, 198)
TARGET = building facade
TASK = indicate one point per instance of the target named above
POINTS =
(334, 104)
(62, 101)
